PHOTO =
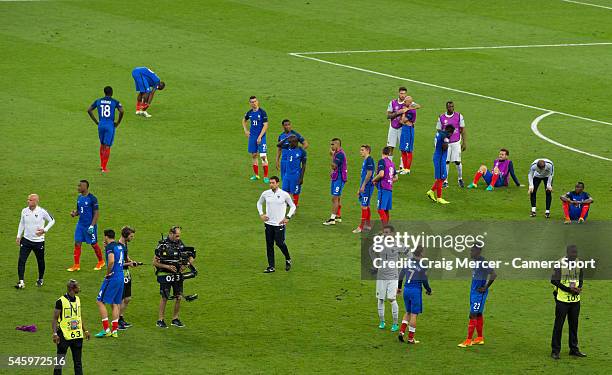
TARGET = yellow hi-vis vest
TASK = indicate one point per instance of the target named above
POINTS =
(569, 278)
(70, 321)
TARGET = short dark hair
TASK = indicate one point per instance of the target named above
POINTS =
(284, 121)
(174, 228)
(108, 91)
(84, 182)
(450, 102)
(161, 85)
(126, 231)
(367, 147)
(252, 97)
(389, 226)
(337, 139)
(580, 183)
(449, 126)
(418, 251)
(402, 88)
(109, 233)
(275, 178)
(386, 150)
(505, 150)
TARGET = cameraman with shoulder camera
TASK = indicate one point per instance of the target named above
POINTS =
(171, 258)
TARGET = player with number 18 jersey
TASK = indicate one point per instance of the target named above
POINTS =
(106, 107)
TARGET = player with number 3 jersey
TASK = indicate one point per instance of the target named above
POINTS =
(106, 123)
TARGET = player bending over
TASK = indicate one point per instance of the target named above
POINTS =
(416, 280)
(147, 82)
(106, 123)
(576, 204)
(482, 278)
(502, 169)
(439, 161)
(366, 188)
(384, 179)
(111, 291)
(387, 278)
(338, 179)
(294, 170)
(258, 120)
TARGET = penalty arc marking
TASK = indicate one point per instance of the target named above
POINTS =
(534, 129)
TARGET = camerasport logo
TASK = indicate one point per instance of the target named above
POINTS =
(410, 242)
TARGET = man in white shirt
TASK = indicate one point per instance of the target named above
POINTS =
(31, 237)
(541, 171)
(275, 220)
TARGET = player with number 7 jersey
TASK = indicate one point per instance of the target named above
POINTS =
(106, 123)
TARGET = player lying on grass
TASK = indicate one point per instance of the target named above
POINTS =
(147, 82)
(295, 168)
(416, 280)
(482, 278)
(498, 177)
(257, 118)
(576, 204)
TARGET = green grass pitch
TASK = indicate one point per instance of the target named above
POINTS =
(188, 165)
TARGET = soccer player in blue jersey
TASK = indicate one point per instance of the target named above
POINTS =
(439, 161)
(87, 227)
(366, 188)
(283, 143)
(294, 169)
(257, 119)
(106, 123)
(416, 280)
(111, 291)
(576, 204)
(482, 278)
(147, 82)
(339, 174)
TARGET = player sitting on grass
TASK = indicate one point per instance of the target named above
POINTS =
(502, 169)
(576, 204)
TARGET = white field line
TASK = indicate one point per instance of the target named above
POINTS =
(589, 4)
(451, 48)
(534, 129)
(447, 88)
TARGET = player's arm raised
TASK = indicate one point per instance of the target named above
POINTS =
(91, 114)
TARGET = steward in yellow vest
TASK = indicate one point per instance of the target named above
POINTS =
(68, 328)
(567, 284)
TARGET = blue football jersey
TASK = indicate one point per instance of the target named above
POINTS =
(368, 165)
(86, 205)
(106, 109)
(577, 197)
(256, 120)
(480, 274)
(295, 158)
(117, 250)
(440, 139)
(152, 79)
(416, 276)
